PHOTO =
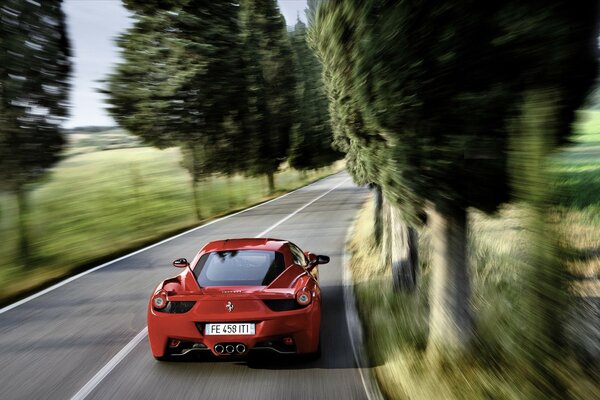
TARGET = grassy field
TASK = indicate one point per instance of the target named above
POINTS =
(81, 142)
(396, 325)
(578, 175)
(96, 204)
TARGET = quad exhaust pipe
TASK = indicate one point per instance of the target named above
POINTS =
(230, 348)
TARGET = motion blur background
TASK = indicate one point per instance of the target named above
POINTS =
(477, 126)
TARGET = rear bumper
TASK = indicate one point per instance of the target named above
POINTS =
(302, 326)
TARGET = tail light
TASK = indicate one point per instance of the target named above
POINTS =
(303, 297)
(159, 301)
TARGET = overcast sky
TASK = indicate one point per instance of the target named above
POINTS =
(93, 26)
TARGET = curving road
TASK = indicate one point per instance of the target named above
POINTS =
(86, 338)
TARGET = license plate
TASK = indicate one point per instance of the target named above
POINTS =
(229, 329)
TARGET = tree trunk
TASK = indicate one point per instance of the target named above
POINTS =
(230, 188)
(193, 168)
(196, 199)
(378, 213)
(23, 211)
(545, 292)
(450, 321)
(400, 245)
(271, 182)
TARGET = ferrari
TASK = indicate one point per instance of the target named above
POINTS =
(237, 297)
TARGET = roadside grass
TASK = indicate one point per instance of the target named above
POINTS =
(396, 325)
(97, 204)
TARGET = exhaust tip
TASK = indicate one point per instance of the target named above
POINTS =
(229, 348)
(219, 349)
(240, 348)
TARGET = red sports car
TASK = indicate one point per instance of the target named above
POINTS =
(238, 296)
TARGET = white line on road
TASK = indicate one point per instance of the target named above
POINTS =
(100, 375)
(275, 225)
(89, 271)
(116, 360)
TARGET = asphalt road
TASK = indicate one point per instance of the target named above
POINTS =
(86, 339)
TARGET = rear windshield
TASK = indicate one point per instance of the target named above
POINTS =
(239, 268)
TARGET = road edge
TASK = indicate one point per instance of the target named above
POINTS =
(354, 325)
(87, 268)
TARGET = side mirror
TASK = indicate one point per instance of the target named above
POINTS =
(181, 263)
(322, 259)
(312, 258)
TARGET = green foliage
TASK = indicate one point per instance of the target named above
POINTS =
(311, 138)
(34, 86)
(270, 77)
(34, 73)
(457, 105)
(363, 145)
(181, 80)
(442, 83)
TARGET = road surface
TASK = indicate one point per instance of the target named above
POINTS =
(86, 338)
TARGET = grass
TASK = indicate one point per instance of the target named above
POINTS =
(102, 203)
(396, 324)
(81, 142)
(578, 174)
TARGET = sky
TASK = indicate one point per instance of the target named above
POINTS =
(93, 26)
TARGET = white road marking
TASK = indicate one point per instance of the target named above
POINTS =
(120, 356)
(275, 225)
(89, 271)
(100, 375)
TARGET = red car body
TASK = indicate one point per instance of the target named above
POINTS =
(238, 296)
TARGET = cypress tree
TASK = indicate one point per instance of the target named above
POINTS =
(181, 83)
(365, 144)
(34, 87)
(451, 89)
(270, 79)
(311, 10)
(311, 139)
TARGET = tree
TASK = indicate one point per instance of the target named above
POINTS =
(271, 95)
(34, 87)
(181, 81)
(365, 145)
(448, 87)
(311, 138)
(311, 10)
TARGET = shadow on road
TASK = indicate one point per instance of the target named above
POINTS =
(337, 352)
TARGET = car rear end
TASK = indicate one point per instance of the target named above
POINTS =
(235, 322)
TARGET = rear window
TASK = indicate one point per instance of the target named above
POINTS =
(239, 268)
